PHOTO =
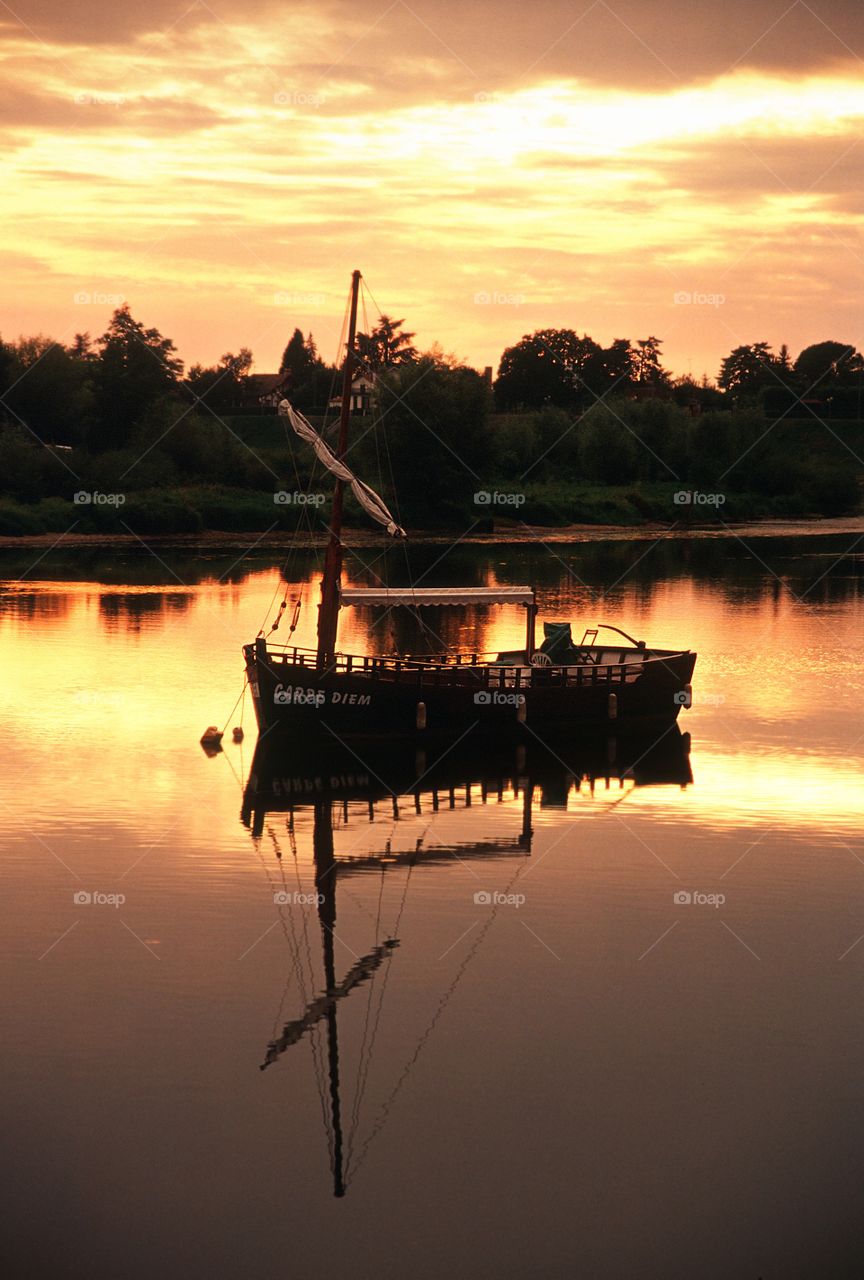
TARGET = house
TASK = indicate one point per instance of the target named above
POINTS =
(265, 390)
(362, 394)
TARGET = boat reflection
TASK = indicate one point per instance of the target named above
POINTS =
(343, 789)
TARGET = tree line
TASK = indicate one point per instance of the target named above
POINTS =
(572, 416)
(101, 394)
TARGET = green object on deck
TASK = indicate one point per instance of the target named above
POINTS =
(557, 640)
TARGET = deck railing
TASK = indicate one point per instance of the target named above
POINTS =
(464, 669)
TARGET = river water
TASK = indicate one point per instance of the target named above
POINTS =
(599, 1015)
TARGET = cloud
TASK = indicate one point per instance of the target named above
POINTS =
(447, 151)
(493, 44)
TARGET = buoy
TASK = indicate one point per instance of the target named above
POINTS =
(421, 715)
(521, 712)
(613, 706)
(212, 734)
(237, 733)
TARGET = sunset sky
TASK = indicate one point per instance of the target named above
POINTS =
(491, 168)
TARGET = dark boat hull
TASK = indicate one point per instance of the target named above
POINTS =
(419, 702)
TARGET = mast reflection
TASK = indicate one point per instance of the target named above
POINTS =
(392, 784)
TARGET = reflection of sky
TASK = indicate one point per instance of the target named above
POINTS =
(669, 1025)
(132, 674)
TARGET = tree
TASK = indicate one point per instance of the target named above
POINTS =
(46, 389)
(549, 366)
(747, 369)
(827, 362)
(698, 397)
(610, 369)
(240, 365)
(136, 368)
(436, 433)
(312, 381)
(299, 358)
(82, 347)
(221, 388)
(647, 361)
(388, 344)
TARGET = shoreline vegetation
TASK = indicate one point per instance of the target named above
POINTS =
(111, 439)
(501, 535)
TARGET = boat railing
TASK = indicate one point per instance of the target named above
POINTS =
(467, 668)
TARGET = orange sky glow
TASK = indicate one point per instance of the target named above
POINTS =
(621, 169)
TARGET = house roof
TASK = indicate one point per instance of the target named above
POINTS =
(262, 384)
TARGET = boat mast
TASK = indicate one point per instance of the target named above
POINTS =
(328, 610)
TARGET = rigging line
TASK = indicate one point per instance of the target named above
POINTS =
(304, 519)
(293, 942)
(376, 1024)
(237, 778)
(303, 914)
(363, 311)
(421, 1043)
(234, 708)
(294, 949)
(291, 972)
(355, 1110)
(372, 298)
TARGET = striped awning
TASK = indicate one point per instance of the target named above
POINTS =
(394, 596)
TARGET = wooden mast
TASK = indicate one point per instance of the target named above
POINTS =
(328, 610)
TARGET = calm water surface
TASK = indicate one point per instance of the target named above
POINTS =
(584, 1077)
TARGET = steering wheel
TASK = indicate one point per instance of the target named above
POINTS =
(539, 659)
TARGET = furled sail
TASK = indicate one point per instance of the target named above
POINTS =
(368, 498)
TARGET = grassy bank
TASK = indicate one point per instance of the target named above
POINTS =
(205, 508)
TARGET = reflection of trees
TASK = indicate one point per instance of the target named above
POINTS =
(429, 630)
(568, 576)
(573, 573)
(138, 567)
(47, 606)
(131, 608)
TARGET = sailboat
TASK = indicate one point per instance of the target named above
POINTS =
(562, 684)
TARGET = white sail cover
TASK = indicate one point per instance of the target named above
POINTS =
(368, 498)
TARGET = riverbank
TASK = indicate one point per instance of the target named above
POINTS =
(502, 535)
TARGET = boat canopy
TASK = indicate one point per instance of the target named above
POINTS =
(438, 595)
